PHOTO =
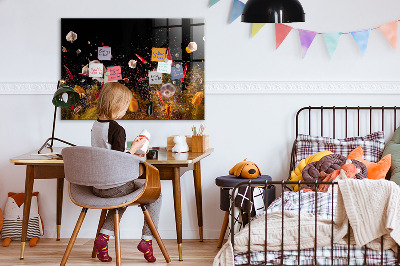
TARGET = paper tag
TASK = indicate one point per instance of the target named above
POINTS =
(104, 53)
(115, 73)
(158, 54)
(177, 72)
(155, 77)
(95, 70)
(164, 67)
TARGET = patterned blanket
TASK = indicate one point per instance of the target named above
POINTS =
(322, 205)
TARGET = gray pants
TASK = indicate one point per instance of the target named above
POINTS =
(154, 208)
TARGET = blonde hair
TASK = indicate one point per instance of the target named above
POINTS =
(112, 99)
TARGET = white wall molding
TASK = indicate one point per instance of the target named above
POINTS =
(249, 87)
(303, 87)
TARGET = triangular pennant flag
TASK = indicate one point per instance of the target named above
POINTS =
(237, 9)
(361, 37)
(390, 32)
(256, 28)
(306, 39)
(281, 31)
(213, 2)
(332, 41)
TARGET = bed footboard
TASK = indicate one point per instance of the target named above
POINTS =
(379, 258)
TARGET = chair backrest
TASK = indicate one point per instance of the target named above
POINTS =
(92, 166)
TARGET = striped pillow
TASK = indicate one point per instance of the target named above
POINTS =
(13, 228)
(372, 145)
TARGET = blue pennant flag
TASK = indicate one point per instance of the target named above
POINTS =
(213, 2)
(361, 38)
(332, 41)
(237, 10)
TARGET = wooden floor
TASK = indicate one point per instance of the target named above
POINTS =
(50, 252)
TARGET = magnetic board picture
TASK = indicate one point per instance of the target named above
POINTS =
(161, 61)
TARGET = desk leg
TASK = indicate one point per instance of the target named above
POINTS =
(60, 190)
(27, 206)
(176, 182)
(199, 204)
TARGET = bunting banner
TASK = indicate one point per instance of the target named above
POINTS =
(332, 41)
(213, 2)
(306, 39)
(256, 28)
(281, 31)
(389, 30)
(237, 9)
(361, 37)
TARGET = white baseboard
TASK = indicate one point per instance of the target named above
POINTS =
(248, 87)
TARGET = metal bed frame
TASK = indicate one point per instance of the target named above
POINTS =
(283, 184)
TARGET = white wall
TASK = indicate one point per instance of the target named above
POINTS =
(258, 126)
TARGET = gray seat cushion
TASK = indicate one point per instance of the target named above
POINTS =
(83, 196)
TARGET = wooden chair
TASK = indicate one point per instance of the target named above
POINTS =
(85, 167)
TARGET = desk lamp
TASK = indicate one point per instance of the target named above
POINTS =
(273, 11)
(65, 96)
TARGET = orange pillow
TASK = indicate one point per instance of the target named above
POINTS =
(375, 170)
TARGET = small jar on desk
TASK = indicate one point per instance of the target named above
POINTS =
(226, 183)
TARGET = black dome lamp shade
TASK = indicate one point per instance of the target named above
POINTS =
(64, 96)
(273, 11)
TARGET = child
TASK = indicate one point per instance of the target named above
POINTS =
(112, 104)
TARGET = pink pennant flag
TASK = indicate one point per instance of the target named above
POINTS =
(389, 30)
(306, 39)
(281, 31)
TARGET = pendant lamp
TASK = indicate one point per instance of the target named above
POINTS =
(64, 96)
(273, 11)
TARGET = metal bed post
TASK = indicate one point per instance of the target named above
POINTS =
(315, 223)
(266, 221)
(298, 240)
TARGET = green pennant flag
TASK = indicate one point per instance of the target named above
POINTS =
(213, 2)
(332, 41)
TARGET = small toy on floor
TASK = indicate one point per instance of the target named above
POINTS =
(13, 215)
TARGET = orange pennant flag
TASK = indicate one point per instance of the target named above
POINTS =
(389, 30)
(281, 31)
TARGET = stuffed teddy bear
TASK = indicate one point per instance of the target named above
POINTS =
(180, 144)
(245, 169)
(13, 215)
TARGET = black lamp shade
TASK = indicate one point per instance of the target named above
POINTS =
(273, 11)
(73, 96)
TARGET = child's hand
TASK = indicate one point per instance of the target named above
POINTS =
(137, 144)
(142, 155)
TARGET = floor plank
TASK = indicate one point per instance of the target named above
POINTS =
(49, 252)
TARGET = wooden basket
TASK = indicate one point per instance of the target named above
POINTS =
(200, 143)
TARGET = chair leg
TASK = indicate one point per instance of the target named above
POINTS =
(223, 229)
(117, 239)
(73, 237)
(154, 230)
(101, 222)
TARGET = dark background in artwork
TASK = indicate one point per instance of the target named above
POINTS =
(128, 37)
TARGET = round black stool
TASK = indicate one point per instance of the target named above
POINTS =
(228, 182)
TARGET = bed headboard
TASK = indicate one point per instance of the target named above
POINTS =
(344, 121)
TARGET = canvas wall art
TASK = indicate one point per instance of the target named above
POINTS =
(160, 60)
